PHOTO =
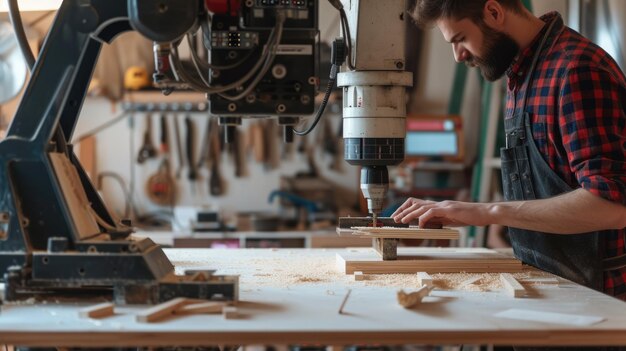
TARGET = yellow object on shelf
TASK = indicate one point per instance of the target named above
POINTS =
(136, 78)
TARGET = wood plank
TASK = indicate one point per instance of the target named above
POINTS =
(406, 233)
(413, 260)
(97, 311)
(512, 286)
(162, 310)
(424, 278)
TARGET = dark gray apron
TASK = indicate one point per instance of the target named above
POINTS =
(527, 176)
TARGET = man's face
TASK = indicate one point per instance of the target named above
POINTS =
(479, 46)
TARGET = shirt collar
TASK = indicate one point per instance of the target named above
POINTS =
(521, 64)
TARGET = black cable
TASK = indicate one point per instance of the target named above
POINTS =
(337, 58)
(320, 111)
(18, 28)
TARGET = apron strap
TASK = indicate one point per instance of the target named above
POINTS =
(531, 71)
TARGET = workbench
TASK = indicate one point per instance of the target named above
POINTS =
(292, 296)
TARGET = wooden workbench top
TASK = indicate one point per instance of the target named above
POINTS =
(292, 296)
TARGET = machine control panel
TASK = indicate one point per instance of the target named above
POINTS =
(234, 39)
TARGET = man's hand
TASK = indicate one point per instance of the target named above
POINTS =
(448, 213)
(575, 212)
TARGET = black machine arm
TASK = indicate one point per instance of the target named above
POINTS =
(55, 230)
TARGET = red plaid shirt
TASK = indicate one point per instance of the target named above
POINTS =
(578, 107)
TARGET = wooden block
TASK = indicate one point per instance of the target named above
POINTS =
(511, 285)
(415, 298)
(424, 278)
(431, 260)
(204, 307)
(358, 276)
(97, 311)
(163, 310)
(230, 312)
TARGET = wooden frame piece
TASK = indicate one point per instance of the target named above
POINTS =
(160, 311)
(511, 285)
(406, 233)
(431, 260)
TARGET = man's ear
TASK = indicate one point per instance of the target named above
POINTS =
(493, 14)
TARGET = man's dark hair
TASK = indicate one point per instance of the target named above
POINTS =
(426, 12)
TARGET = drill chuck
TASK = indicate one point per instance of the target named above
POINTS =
(374, 185)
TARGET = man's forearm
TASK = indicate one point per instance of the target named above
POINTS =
(575, 212)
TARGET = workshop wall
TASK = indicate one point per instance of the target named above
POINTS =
(118, 146)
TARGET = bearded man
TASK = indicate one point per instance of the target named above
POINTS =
(564, 163)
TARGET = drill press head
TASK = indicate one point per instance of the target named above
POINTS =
(374, 83)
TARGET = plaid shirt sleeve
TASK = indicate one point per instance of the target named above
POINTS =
(592, 123)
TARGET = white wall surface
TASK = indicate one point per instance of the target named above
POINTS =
(249, 193)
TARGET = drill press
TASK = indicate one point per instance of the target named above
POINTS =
(374, 94)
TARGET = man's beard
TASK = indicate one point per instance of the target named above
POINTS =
(499, 51)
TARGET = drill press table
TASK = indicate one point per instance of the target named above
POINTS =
(292, 296)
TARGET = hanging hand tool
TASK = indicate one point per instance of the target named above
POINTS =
(192, 174)
(206, 146)
(160, 187)
(237, 154)
(216, 186)
(179, 148)
(147, 149)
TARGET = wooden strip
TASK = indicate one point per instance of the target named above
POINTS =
(424, 278)
(160, 311)
(405, 233)
(203, 307)
(512, 286)
(97, 311)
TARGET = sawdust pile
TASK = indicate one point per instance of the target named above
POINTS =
(297, 269)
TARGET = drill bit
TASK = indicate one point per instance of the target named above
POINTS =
(374, 219)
